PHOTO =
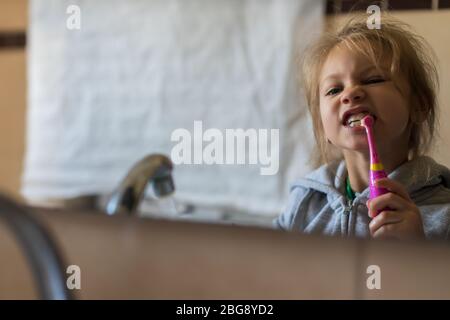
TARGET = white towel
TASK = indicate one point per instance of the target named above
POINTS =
(102, 97)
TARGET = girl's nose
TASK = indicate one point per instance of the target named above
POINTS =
(353, 95)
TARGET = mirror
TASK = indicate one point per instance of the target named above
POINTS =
(211, 85)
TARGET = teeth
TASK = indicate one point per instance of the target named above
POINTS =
(355, 119)
(355, 123)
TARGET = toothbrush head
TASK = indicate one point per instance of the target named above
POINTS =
(367, 121)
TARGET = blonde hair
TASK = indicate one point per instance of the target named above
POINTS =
(410, 56)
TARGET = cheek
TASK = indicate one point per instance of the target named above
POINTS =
(328, 119)
(395, 109)
(323, 117)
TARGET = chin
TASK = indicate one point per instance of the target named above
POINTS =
(359, 147)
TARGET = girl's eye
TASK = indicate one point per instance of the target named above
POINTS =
(374, 80)
(333, 91)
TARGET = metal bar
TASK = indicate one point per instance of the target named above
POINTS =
(12, 39)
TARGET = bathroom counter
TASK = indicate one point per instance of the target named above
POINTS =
(135, 258)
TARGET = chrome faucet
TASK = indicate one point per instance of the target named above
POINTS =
(152, 170)
(40, 250)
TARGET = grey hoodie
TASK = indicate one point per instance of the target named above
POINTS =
(318, 204)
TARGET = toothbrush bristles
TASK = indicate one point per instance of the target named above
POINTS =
(367, 121)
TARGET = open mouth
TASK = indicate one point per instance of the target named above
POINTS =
(354, 120)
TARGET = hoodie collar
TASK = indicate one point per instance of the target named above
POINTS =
(414, 174)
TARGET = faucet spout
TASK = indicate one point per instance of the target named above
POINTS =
(155, 170)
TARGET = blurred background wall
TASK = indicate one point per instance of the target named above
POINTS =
(13, 20)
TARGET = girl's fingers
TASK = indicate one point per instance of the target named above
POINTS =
(393, 186)
(388, 200)
(385, 218)
(387, 231)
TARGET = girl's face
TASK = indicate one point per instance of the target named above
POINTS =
(350, 87)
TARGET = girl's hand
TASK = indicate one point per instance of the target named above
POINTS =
(401, 221)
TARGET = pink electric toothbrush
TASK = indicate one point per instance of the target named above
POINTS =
(376, 167)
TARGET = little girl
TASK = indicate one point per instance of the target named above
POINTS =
(388, 74)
